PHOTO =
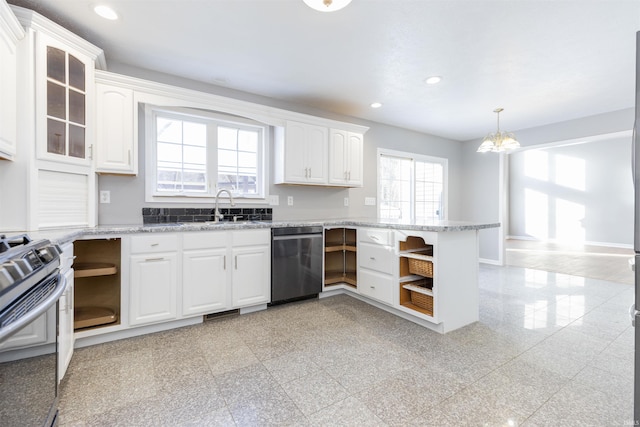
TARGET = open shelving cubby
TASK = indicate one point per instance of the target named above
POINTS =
(97, 283)
(340, 260)
(416, 275)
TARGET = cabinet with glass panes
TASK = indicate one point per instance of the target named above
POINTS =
(65, 80)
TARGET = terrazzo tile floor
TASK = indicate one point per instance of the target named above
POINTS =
(550, 349)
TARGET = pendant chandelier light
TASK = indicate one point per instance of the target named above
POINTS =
(499, 141)
(327, 5)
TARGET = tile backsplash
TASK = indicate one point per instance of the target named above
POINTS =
(169, 215)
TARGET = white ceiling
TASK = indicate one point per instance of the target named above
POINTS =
(543, 61)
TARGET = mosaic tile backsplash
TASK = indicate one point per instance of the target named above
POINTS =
(169, 215)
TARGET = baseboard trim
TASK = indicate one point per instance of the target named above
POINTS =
(586, 243)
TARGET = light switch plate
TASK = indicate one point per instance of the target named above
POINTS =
(370, 201)
(274, 200)
(290, 200)
(105, 196)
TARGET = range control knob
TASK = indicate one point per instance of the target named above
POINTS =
(24, 265)
(13, 270)
(46, 254)
(5, 278)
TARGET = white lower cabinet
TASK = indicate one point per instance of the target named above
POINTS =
(205, 273)
(251, 277)
(376, 258)
(153, 280)
(376, 285)
(65, 325)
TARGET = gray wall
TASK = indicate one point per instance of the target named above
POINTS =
(604, 189)
(127, 193)
(480, 195)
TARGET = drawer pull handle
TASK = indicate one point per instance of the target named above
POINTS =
(372, 258)
(372, 287)
(154, 259)
(155, 244)
(374, 238)
(224, 262)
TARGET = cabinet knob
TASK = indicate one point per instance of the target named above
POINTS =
(372, 258)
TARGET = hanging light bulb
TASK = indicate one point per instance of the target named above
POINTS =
(499, 141)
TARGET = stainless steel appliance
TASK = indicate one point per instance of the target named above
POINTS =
(30, 285)
(296, 263)
(635, 314)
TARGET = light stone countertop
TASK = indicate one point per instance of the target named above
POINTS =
(65, 235)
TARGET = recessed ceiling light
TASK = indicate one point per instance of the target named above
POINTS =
(106, 12)
(433, 80)
(376, 105)
(327, 5)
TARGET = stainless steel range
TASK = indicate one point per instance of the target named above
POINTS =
(30, 285)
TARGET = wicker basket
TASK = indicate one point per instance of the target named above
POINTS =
(423, 301)
(421, 267)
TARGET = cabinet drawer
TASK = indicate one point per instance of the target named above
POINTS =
(376, 236)
(154, 243)
(376, 257)
(375, 285)
(200, 240)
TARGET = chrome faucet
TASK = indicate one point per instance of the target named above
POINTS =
(217, 216)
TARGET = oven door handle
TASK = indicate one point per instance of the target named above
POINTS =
(37, 311)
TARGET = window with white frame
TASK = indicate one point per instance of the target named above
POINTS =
(411, 186)
(195, 154)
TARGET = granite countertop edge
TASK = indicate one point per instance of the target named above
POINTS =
(65, 235)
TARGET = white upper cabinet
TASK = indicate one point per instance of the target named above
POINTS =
(345, 158)
(116, 145)
(302, 154)
(10, 33)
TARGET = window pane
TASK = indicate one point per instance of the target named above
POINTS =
(76, 73)
(56, 137)
(195, 134)
(56, 59)
(227, 138)
(76, 141)
(76, 107)
(181, 152)
(56, 101)
(169, 130)
(248, 141)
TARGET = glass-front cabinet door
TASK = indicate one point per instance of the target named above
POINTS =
(65, 134)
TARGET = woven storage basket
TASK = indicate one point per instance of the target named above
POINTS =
(421, 267)
(423, 301)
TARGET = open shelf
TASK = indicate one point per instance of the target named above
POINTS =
(340, 260)
(93, 269)
(416, 275)
(87, 317)
(97, 283)
(339, 277)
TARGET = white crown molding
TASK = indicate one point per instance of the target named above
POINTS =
(10, 23)
(33, 20)
(270, 115)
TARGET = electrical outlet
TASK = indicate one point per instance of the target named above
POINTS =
(290, 200)
(346, 201)
(370, 201)
(274, 200)
(105, 196)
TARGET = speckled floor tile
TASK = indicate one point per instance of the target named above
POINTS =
(291, 366)
(550, 349)
(244, 383)
(578, 404)
(349, 412)
(314, 392)
(273, 408)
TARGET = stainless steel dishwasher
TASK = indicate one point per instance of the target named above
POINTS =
(296, 263)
